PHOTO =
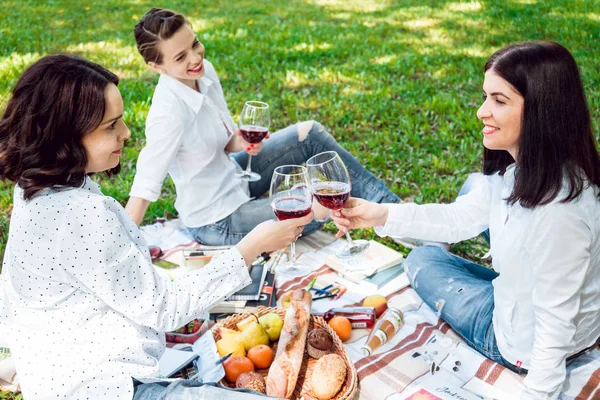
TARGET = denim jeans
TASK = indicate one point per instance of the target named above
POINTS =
(284, 148)
(461, 292)
(178, 390)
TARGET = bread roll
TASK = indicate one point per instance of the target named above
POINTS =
(328, 376)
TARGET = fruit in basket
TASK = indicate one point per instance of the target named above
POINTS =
(286, 299)
(228, 345)
(261, 356)
(328, 376)
(246, 322)
(251, 380)
(342, 327)
(253, 335)
(229, 333)
(376, 301)
(272, 324)
(235, 366)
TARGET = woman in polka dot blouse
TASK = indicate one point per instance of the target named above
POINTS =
(81, 305)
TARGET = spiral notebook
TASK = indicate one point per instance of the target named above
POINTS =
(258, 272)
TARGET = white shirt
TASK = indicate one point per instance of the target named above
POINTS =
(186, 137)
(84, 307)
(547, 297)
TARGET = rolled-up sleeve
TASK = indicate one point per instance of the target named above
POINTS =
(560, 242)
(467, 217)
(163, 139)
(100, 258)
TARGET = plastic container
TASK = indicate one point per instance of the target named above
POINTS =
(189, 335)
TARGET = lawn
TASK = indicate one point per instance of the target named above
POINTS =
(396, 82)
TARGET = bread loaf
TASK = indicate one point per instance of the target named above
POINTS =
(328, 376)
(284, 371)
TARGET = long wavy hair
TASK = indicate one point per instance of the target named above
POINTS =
(556, 145)
(56, 102)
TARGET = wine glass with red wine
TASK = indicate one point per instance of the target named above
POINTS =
(254, 127)
(291, 198)
(330, 184)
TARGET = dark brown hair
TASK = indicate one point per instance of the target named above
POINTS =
(156, 25)
(556, 144)
(56, 102)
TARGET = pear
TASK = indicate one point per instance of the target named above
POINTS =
(243, 324)
(253, 335)
(230, 345)
(225, 333)
(272, 324)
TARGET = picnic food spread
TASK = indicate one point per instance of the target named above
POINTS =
(306, 359)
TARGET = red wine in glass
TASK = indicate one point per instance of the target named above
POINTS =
(332, 195)
(253, 134)
(291, 207)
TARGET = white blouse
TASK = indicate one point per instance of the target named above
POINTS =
(186, 136)
(84, 309)
(547, 296)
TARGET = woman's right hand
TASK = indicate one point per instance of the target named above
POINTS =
(271, 235)
(359, 213)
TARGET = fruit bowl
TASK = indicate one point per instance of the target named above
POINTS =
(188, 333)
(303, 385)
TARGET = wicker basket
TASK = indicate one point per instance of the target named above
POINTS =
(303, 386)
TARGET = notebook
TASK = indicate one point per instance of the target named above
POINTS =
(379, 279)
(267, 298)
(377, 258)
(252, 291)
(174, 360)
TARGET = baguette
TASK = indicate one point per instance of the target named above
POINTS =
(284, 371)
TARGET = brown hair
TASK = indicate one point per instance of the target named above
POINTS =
(156, 25)
(56, 102)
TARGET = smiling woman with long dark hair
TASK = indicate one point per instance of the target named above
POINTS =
(537, 203)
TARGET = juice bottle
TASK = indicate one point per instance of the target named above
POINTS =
(359, 317)
(386, 327)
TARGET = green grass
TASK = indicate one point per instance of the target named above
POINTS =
(396, 82)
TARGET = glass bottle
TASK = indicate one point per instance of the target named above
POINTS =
(359, 317)
(387, 326)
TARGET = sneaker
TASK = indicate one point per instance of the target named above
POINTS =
(411, 243)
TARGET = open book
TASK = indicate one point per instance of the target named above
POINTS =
(377, 258)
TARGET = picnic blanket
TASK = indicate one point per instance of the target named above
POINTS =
(405, 361)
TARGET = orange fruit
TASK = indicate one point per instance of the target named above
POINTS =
(235, 366)
(341, 326)
(261, 356)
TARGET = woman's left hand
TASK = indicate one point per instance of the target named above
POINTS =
(250, 148)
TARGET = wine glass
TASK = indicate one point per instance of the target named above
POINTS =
(291, 198)
(330, 184)
(254, 126)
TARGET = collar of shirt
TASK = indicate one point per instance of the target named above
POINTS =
(192, 98)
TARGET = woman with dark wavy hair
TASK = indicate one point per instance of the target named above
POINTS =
(82, 307)
(538, 202)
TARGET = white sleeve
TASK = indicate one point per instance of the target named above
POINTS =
(97, 253)
(559, 243)
(467, 217)
(163, 140)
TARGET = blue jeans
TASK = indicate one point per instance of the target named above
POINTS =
(285, 148)
(179, 390)
(461, 292)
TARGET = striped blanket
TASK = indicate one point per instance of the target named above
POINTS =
(424, 340)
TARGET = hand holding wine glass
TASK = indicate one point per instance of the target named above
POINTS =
(254, 126)
(359, 213)
(290, 199)
(330, 184)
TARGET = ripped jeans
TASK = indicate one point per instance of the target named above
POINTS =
(460, 291)
(292, 145)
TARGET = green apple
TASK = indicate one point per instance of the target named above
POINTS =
(272, 323)
(253, 335)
